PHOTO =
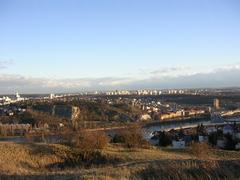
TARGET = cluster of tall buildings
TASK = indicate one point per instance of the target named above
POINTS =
(157, 92)
(147, 92)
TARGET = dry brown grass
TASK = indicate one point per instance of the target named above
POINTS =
(91, 140)
(131, 137)
(201, 150)
(189, 170)
(29, 158)
(39, 160)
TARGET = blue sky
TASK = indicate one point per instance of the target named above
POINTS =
(127, 40)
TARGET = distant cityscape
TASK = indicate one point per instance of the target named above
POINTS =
(153, 107)
(7, 99)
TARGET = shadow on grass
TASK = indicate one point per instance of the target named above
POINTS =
(161, 169)
(171, 150)
(67, 158)
(79, 159)
(190, 170)
(39, 149)
(39, 177)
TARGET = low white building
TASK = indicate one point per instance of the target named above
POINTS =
(52, 96)
(210, 130)
(145, 117)
(178, 144)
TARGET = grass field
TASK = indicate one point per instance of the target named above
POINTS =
(44, 161)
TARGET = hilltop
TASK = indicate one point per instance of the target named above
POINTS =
(59, 162)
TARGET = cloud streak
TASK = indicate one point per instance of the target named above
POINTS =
(173, 77)
(5, 63)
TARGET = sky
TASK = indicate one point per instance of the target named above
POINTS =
(80, 45)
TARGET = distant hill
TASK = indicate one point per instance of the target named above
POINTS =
(91, 111)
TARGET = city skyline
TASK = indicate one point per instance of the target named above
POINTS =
(72, 46)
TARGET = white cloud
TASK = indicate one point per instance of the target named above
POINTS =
(5, 63)
(172, 77)
(226, 67)
(172, 71)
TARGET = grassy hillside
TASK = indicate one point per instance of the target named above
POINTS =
(93, 110)
(99, 111)
(52, 161)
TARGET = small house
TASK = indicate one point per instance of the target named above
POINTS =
(228, 129)
(237, 147)
(202, 138)
(145, 117)
(220, 143)
(178, 144)
(211, 130)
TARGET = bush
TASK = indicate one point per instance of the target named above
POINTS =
(86, 149)
(201, 150)
(230, 143)
(89, 141)
(131, 137)
(165, 139)
(76, 159)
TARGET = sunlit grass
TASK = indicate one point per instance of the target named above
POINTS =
(37, 159)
